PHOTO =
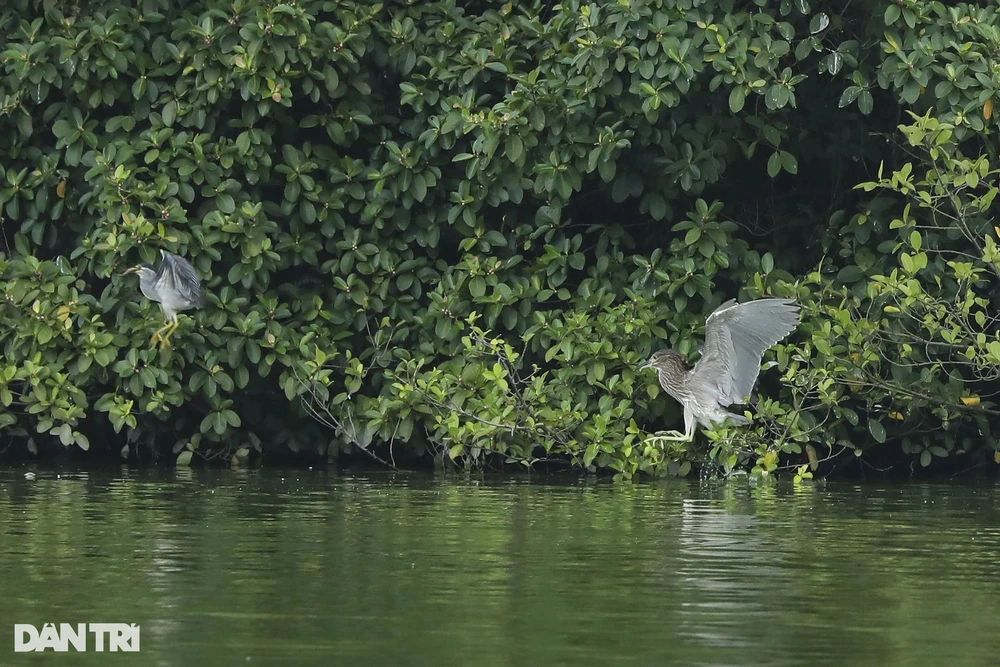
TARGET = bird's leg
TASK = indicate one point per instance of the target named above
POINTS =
(676, 436)
(689, 424)
(171, 328)
(158, 335)
(162, 335)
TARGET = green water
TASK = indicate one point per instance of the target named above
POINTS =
(308, 568)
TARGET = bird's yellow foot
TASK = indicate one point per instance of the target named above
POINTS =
(662, 437)
(161, 338)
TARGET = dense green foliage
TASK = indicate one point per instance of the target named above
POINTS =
(456, 229)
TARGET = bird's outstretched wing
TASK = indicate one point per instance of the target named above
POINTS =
(736, 337)
(177, 274)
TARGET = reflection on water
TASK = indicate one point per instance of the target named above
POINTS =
(308, 568)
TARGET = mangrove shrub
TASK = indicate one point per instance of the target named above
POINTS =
(455, 229)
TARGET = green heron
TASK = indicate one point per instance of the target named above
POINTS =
(175, 286)
(736, 337)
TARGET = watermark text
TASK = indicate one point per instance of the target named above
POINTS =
(80, 637)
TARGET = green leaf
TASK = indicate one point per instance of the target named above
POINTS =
(169, 113)
(607, 169)
(62, 129)
(818, 23)
(243, 142)
(835, 61)
(737, 98)
(225, 203)
(877, 430)
(850, 274)
(514, 148)
(657, 206)
(419, 188)
(773, 165)
(865, 102)
(788, 161)
(477, 287)
(184, 459)
(849, 95)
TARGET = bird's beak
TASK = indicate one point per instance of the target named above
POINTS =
(646, 364)
(134, 269)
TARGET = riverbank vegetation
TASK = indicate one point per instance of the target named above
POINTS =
(451, 231)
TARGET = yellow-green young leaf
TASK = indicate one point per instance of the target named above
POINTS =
(184, 459)
(906, 262)
(813, 458)
(915, 240)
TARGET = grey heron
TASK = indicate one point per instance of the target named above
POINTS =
(174, 285)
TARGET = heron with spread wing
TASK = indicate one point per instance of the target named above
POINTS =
(174, 285)
(736, 337)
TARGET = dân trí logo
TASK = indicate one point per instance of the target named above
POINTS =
(76, 636)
